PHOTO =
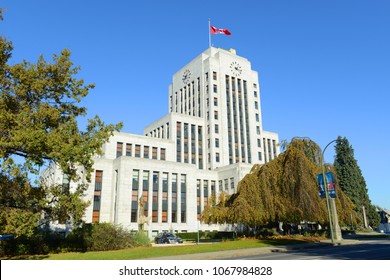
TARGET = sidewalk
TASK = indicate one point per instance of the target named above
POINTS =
(254, 251)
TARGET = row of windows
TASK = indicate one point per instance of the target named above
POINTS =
(161, 132)
(187, 100)
(189, 144)
(147, 151)
(159, 188)
(237, 120)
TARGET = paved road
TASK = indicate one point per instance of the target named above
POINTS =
(378, 249)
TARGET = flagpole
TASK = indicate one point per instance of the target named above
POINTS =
(209, 35)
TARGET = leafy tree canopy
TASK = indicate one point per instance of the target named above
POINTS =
(284, 189)
(39, 109)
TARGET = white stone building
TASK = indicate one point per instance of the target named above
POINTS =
(208, 141)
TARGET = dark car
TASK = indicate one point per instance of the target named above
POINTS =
(167, 238)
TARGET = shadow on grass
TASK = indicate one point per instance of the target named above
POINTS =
(26, 257)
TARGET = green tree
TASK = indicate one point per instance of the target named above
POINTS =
(282, 190)
(39, 109)
(351, 180)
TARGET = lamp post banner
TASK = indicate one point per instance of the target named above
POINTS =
(330, 184)
(321, 187)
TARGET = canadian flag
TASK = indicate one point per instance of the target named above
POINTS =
(214, 30)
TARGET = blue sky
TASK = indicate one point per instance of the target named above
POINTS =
(324, 66)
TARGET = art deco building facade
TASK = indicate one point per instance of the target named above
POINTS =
(208, 141)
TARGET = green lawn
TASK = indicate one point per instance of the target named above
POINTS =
(150, 252)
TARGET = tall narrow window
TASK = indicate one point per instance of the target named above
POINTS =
(178, 141)
(200, 147)
(186, 143)
(134, 196)
(155, 197)
(97, 196)
(174, 198)
(145, 191)
(205, 193)
(183, 198)
(164, 197)
(65, 183)
(119, 149)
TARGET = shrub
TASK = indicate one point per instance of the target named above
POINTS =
(106, 236)
(140, 239)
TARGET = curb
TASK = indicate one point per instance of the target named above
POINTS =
(220, 255)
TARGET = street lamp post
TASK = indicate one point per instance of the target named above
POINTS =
(335, 232)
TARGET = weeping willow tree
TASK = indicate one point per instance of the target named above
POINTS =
(282, 190)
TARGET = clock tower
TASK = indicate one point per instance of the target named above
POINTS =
(220, 90)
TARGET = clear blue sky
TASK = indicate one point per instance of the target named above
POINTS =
(324, 66)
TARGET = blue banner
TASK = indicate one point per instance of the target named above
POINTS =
(330, 184)
(321, 187)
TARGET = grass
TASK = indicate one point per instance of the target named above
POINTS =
(153, 252)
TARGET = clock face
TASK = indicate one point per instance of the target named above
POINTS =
(235, 68)
(186, 76)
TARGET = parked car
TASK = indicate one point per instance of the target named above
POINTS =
(167, 238)
(6, 237)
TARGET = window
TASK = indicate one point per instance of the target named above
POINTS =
(215, 89)
(255, 93)
(135, 179)
(154, 216)
(128, 149)
(134, 195)
(133, 215)
(146, 151)
(137, 150)
(258, 130)
(216, 128)
(214, 76)
(98, 180)
(97, 196)
(256, 105)
(164, 216)
(154, 153)
(145, 180)
(258, 143)
(257, 118)
(183, 190)
(215, 115)
(259, 155)
(217, 157)
(254, 86)
(162, 154)
(217, 142)
(215, 101)
(65, 183)
(119, 148)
